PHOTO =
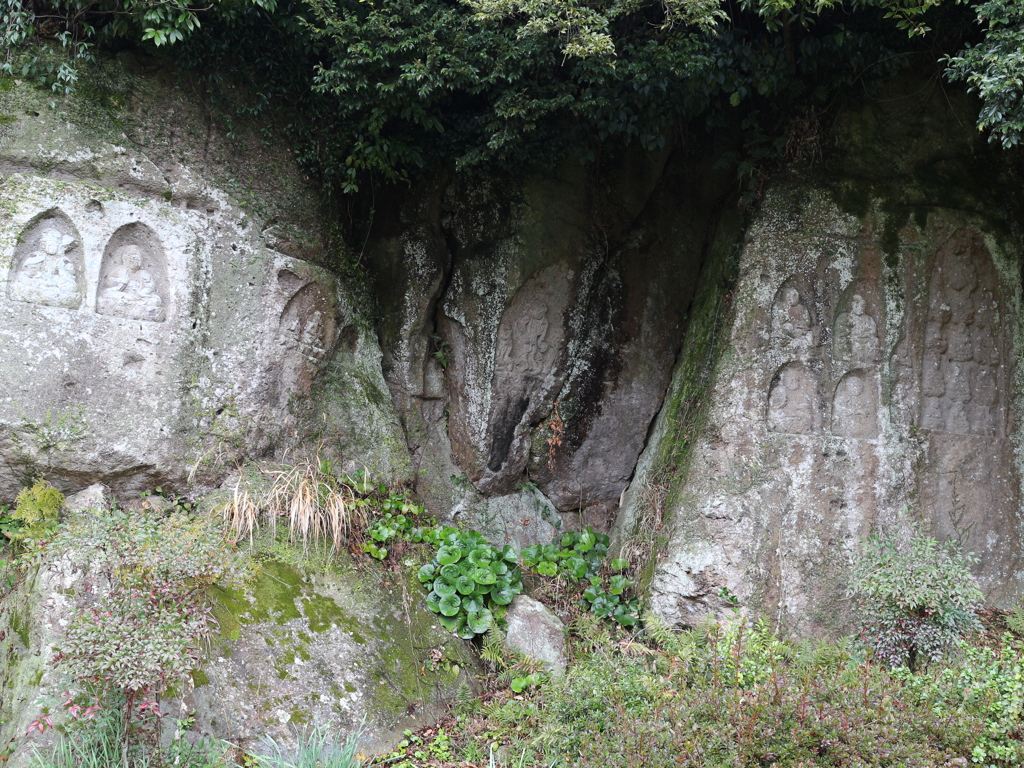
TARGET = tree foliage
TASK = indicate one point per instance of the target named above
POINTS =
(383, 89)
(994, 69)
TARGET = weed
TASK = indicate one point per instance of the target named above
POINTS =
(316, 748)
(317, 505)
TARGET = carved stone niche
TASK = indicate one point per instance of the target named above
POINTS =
(855, 335)
(48, 266)
(963, 378)
(794, 406)
(308, 330)
(794, 327)
(855, 405)
(133, 276)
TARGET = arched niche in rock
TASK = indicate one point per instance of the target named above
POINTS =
(308, 331)
(794, 406)
(48, 264)
(793, 321)
(133, 276)
(855, 405)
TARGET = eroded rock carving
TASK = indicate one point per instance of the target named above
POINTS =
(522, 344)
(793, 402)
(960, 380)
(791, 319)
(48, 268)
(855, 406)
(856, 335)
(133, 279)
(309, 329)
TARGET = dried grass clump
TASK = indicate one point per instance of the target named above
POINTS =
(319, 507)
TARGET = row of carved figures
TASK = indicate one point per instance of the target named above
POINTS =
(49, 270)
(794, 404)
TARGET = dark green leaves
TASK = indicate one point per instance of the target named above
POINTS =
(470, 580)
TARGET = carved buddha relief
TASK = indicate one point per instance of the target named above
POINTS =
(306, 323)
(793, 404)
(792, 323)
(522, 342)
(133, 276)
(48, 264)
(308, 331)
(855, 405)
(856, 335)
(856, 351)
(962, 372)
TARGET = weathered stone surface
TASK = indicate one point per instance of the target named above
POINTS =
(329, 649)
(32, 617)
(858, 382)
(531, 343)
(297, 649)
(157, 323)
(845, 367)
(536, 632)
(521, 519)
(96, 496)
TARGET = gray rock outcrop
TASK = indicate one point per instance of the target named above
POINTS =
(529, 328)
(865, 378)
(162, 321)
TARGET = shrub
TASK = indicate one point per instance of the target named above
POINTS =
(36, 511)
(145, 613)
(917, 597)
(732, 695)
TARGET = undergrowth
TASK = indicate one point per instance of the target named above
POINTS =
(735, 695)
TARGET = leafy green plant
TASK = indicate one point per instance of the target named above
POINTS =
(917, 597)
(470, 581)
(8, 523)
(994, 70)
(399, 519)
(521, 683)
(606, 599)
(578, 556)
(37, 509)
(413, 751)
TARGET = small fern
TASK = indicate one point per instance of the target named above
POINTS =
(1015, 621)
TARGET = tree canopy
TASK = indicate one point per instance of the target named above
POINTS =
(386, 88)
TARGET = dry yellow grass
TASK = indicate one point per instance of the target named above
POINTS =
(317, 505)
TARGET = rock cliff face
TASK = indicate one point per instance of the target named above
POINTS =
(739, 398)
(530, 330)
(868, 378)
(161, 313)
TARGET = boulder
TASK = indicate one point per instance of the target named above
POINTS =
(297, 648)
(536, 632)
